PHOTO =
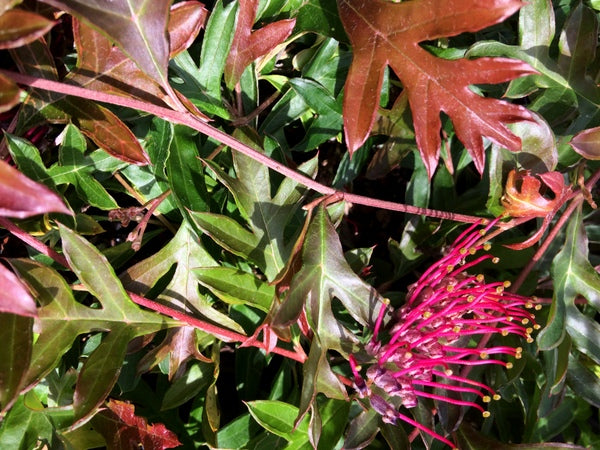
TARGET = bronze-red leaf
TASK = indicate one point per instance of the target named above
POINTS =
(22, 197)
(122, 429)
(384, 34)
(247, 45)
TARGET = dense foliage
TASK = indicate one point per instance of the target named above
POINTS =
(299, 224)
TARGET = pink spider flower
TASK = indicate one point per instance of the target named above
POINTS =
(427, 340)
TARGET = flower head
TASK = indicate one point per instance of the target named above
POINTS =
(430, 339)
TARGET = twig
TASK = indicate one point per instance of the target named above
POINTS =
(224, 334)
(193, 122)
(33, 242)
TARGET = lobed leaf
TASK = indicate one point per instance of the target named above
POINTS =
(248, 45)
(384, 33)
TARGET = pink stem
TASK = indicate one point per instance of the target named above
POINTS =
(199, 125)
(226, 335)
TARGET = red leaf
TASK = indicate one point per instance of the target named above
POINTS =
(587, 143)
(123, 430)
(185, 22)
(15, 299)
(22, 27)
(384, 33)
(104, 67)
(247, 45)
(22, 197)
(524, 197)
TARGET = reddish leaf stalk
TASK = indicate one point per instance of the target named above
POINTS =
(203, 127)
(221, 333)
(33, 242)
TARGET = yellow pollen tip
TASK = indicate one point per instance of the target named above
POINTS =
(482, 232)
(448, 372)
(509, 318)
(386, 301)
(427, 314)
(358, 368)
(408, 355)
(537, 326)
(538, 307)
(497, 397)
(507, 284)
(486, 399)
(499, 289)
(487, 247)
(480, 278)
(486, 414)
(471, 298)
(495, 260)
(504, 332)
(525, 321)
(529, 330)
(483, 355)
(472, 250)
(529, 339)
(450, 288)
(509, 365)
(518, 356)
(519, 349)
(456, 329)
(463, 251)
(449, 268)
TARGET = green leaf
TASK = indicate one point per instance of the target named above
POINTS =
(237, 433)
(236, 287)
(62, 319)
(197, 377)
(185, 252)
(74, 168)
(326, 275)
(564, 80)
(218, 36)
(28, 159)
(362, 430)
(268, 214)
(185, 171)
(321, 17)
(23, 427)
(573, 275)
(278, 418)
(584, 380)
(16, 335)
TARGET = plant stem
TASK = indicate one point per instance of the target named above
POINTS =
(199, 125)
(221, 333)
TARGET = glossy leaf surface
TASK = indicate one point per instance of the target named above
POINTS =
(383, 33)
(123, 429)
(249, 45)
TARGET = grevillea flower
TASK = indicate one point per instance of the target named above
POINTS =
(428, 342)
